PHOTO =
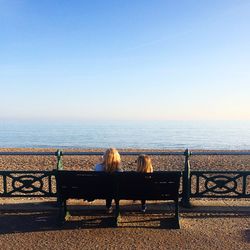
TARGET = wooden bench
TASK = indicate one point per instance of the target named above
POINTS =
(90, 185)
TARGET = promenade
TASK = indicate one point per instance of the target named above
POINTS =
(210, 224)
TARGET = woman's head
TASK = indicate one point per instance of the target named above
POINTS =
(144, 164)
(111, 160)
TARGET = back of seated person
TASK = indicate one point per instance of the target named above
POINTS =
(110, 163)
(144, 165)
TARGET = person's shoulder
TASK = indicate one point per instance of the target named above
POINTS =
(99, 167)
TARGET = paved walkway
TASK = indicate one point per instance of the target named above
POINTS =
(218, 224)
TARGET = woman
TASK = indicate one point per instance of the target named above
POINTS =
(111, 161)
(144, 165)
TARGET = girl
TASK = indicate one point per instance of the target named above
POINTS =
(144, 165)
(111, 161)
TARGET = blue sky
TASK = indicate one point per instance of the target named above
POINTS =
(125, 60)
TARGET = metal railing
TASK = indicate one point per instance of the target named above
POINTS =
(214, 184)
(220, 184)
(27, 184)
(195, 184)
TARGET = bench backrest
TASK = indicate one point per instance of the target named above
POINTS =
(120, 185)
(85, 184)
(148, 186)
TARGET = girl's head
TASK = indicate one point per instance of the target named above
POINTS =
(144, 164)
(111, 160)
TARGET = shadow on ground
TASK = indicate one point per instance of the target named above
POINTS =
(16, 218)
(20, 222)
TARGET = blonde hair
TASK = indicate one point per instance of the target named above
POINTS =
(144, 164)
(111, 160)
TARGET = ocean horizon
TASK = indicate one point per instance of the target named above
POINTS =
(217, 135)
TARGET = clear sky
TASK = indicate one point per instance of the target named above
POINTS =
(133, 59)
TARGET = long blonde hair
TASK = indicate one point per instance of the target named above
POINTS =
(111, 160)
(144, 164)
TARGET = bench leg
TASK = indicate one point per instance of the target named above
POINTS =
(61, 216)
(177, 214)
(117, 213)
(64, 214)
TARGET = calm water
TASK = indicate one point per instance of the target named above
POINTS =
(148, 135)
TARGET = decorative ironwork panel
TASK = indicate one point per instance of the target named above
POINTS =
(220, 184)
(27, 184)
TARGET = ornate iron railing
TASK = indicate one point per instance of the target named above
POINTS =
(220, 184)
(27, 184)
(214, 184)
(196, 184)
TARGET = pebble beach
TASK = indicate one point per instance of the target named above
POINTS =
(160, 163)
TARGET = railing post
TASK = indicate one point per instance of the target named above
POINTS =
(186, 185)
(59, 164)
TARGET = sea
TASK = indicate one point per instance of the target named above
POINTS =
(211, 135)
